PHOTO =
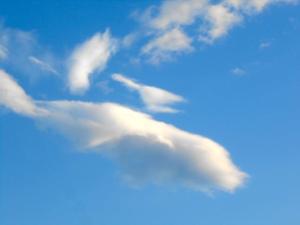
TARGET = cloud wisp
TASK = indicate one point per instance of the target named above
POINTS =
(44, 66)
(88, 58)
(238, 71)
(163, 47)
(155, 99)
(22, 51)
(146, 150)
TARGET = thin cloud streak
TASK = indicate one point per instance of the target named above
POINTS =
(42, 65)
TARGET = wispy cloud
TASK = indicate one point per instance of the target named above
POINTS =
(147, 150)
(105, 87)
(130, 39)
(212, 19)
(219, 20)
(238, 71)
(155, 99)
(265, 44)
(162, 47)
(14, 97)
(46, 67)
(3, 52)
(19, 47)
(88, 58)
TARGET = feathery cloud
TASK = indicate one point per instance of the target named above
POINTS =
(147, 150)
(88, 58)
(155, 99)
(42, 65)
(162, 47)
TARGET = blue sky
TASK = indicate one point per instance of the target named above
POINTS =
(149, 112)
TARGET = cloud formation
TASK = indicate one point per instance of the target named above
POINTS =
(147, 150)
(206, 20)
(88, 58)
(155, 99)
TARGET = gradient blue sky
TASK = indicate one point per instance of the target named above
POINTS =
(242, 91)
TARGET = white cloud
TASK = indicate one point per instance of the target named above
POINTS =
(13, 96)
(147, 150)
(155, 99)
(172, 41)
(249, 5)
(265, 44)
(238, 71)
(177, 13)
(129, 39)
(88, 58)
(42, 65)
(255, 6)
(219, 21)
(214, 20)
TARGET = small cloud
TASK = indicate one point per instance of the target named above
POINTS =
(129, 39)
(238, 71)
(264, 45)
(88, 58)
(156, 99)
(42, 65)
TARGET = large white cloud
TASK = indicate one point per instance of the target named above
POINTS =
(155, 99)
(88, 58)
(147, 150)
